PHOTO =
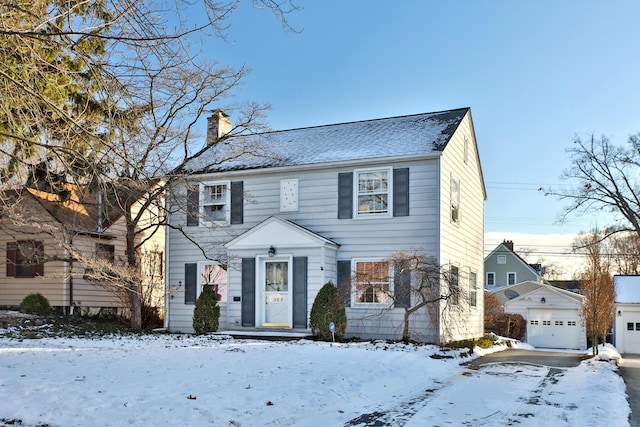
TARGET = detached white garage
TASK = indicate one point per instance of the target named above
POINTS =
(552, 314)
(627, 317)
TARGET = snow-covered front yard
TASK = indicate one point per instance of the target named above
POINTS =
(181, 380)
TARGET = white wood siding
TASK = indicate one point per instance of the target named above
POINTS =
(462, 242)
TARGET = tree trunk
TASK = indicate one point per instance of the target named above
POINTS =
(136, 308)
(405, 331)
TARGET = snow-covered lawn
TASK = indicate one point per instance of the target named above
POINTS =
(181, 380)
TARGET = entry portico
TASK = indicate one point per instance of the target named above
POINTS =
(281, 268)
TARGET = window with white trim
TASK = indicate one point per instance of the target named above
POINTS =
(491, 279)
(511, 278)
(454, 284)
(373, 192)
(473, 288)
(502, 259)
(214, 275)
(455, 200)
(214, 202)
(372, 281)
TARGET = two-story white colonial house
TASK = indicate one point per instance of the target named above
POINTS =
(268, 219)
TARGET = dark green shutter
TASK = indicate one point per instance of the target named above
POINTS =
(248, 311)
(345, 195)
(401, 192)
(190, 283)
(344, 282)
(300, 292)
(237, 202)
(193, 206)
(402, 285)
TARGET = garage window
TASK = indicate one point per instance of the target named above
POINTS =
(630, 326)
(534, 322)
(571, 323)
(546, 322)
(637, 326)
(559, 322)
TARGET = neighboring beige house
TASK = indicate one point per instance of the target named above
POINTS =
(39, 230)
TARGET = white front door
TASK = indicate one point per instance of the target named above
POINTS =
(276, 295)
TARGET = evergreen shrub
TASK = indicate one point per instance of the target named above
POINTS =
(35, 304)
(328, 307)
(206, 315)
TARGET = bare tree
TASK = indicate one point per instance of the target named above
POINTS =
(597, 286)
(106, 95)
(419, 283)
(625, 252)
(606, 175)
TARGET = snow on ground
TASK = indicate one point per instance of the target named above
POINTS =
(171, 380)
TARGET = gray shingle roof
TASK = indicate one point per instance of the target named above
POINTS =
(418, 134)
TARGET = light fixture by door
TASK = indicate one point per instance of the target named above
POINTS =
(272, 251)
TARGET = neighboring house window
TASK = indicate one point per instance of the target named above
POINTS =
(491, 279)
(511, 278)
(502, 259)
(25, 258)
(455, 200)
(373, 189)
(288, 195)
(473, 289)
(454, 285)
(105, 252)
(372, 282)
(214, 202)
(215, 275)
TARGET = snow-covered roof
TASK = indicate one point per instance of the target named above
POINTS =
(413, 135)
(627, 289)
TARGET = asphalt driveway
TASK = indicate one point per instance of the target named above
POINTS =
(630, 371)
(554, 359)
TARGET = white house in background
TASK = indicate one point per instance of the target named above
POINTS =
(504, 267)
(627, 314)
(282, 213)
(552, 314)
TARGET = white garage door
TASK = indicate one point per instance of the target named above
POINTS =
(549, 328)
(631, 333)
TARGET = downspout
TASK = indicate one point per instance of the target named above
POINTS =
(167, 288)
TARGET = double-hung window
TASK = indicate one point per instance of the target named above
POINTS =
(372, 283)
(25, 258)
(473, 289)
(214, 275)
(491, 279)
(455, 200)
(373, 192)
(214, 202)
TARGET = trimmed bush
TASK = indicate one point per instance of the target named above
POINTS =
(484, 342)
(206, 315)
(328, 307)
(35, 304)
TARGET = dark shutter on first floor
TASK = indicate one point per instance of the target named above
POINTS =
(190, 283)
(193, 205)
(345, 195)
(300, 292)
(237, 202)
(344, 282)
(248, 311)
(402, 285)
(401, 192)
(12, 258)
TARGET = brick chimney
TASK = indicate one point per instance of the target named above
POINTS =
(508, 244)
(218, 125)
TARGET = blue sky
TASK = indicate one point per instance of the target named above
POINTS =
(535, 74)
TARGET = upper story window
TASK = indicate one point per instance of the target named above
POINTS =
(502, 259)
(217, 203)
(25, 258)
(491, 279)
(214, 202)
(455, 200)
(373, 192)
(105, 252)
